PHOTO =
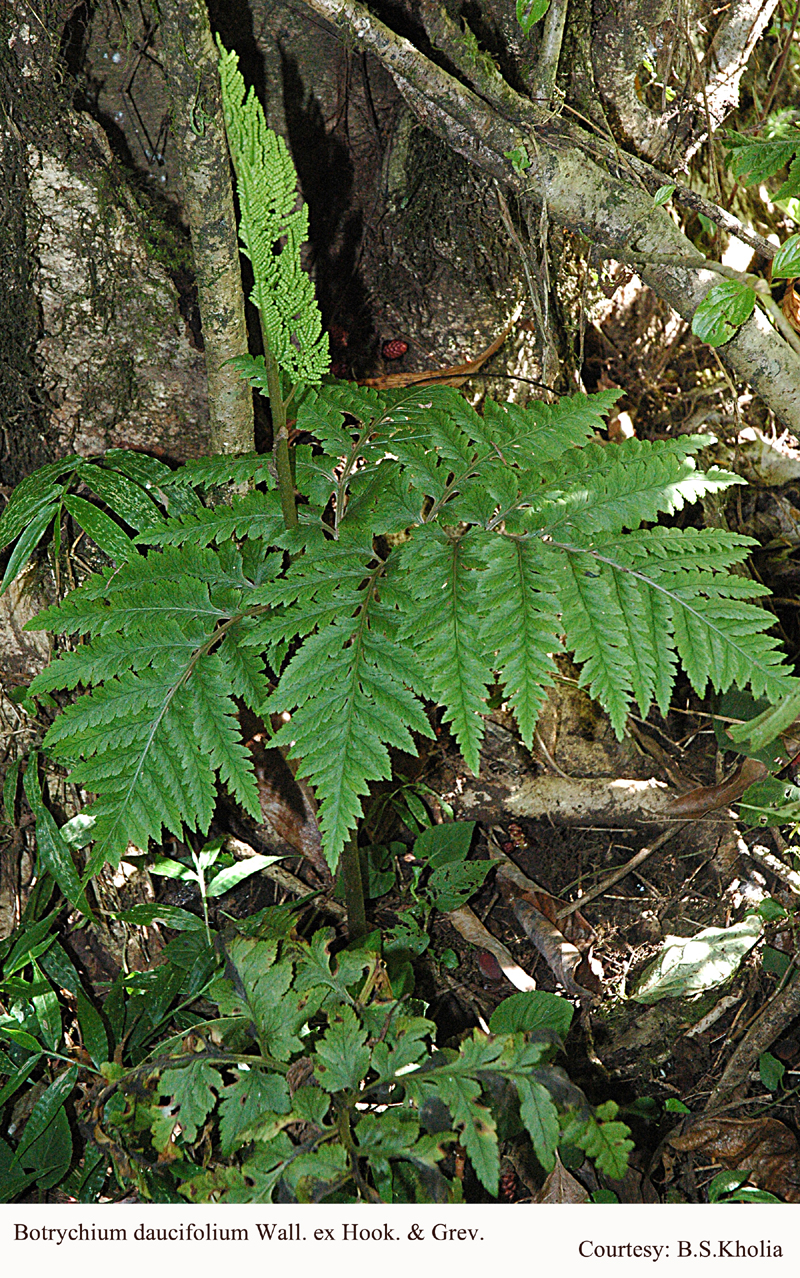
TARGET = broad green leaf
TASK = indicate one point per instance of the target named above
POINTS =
(101, 528)
(45, 1109)
(170, 915)
(20, 1075)
(342, 1053)
(29, 539)
(531, 1011)
(126, 498)
(31, 497)
(529, 12)
(451, 885)
(54, 854)
(93, 1031)
(50, 1155)
(786, 262)
(724, 309)
(440, 844)
(193, 1094)
(245, 1102)
(32, 941)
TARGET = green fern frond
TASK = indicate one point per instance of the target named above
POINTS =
(597, 633)
(241, 468)
(605, 489)
(631, 604)
(441, 572)
(150, 745)
(255, 515)
(272, 230)
(519, 606)
(352, 688)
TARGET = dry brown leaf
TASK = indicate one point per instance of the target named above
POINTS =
(706, 798)
(456, 375)
(561, 1187)
(285, 804)
(790, 305)
(471, 928)
(764, 1147)
(562, 957)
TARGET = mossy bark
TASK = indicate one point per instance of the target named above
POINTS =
(198, 130)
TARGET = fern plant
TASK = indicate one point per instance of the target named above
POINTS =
(419, 554)
(251, 1066)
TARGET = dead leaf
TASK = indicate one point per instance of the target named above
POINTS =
(561, 1187)
(764, 1147)
(562, 957)
(790, 305)
(455, 375)
(285, 804)
(471, 928)
(705, 798)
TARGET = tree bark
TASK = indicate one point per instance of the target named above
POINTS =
(606, 205)
(198, 130)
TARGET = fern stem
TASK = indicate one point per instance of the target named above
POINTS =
(350, 877)
(280, 435)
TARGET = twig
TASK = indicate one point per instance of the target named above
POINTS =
(772, 863)
(286, 880)
(775, 1015)
(623, 870)
(544, 77)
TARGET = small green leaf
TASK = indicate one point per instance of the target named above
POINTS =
(529, 12)
(26, 544)
(520, 160)
(663, 194)
(786, 262)
(54, 853)
(46, 1108)
(674, 1106)
(235, 874)
(343, 1056)
(771, 1071)
(722, 311)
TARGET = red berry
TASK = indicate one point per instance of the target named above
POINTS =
(395, 349)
